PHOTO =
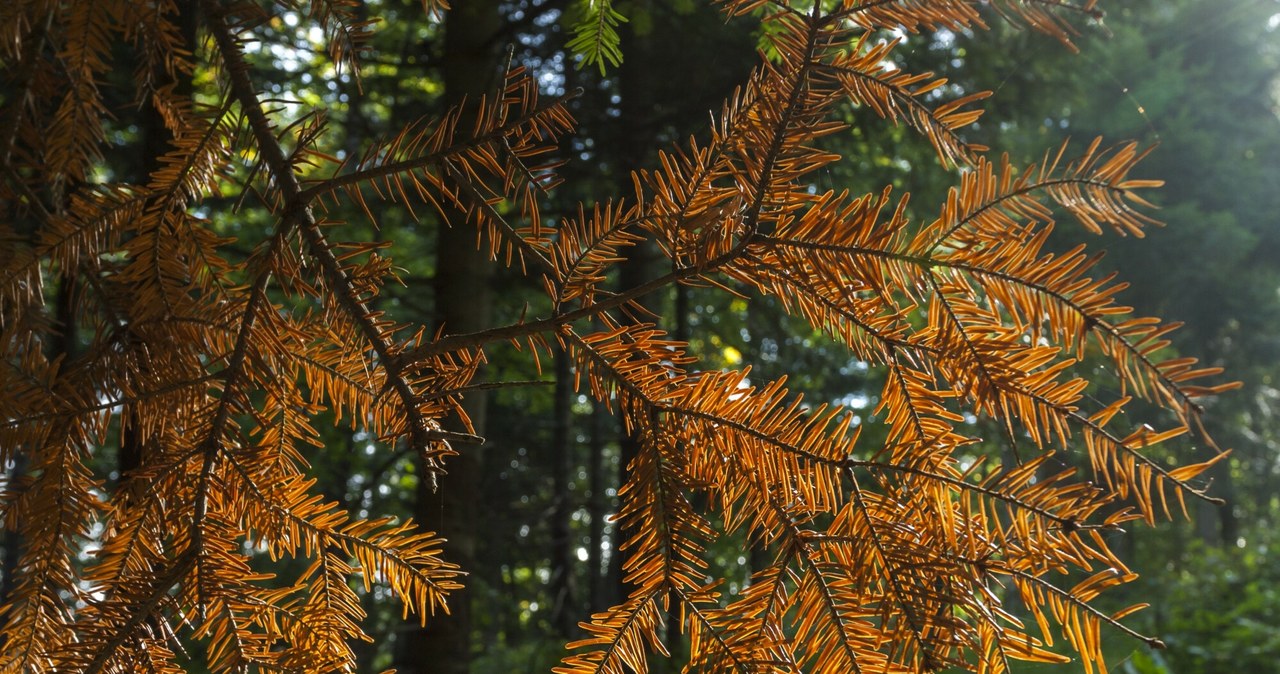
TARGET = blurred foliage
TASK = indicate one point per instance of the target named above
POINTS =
(1219, 611)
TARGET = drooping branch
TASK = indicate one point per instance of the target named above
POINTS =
(328, 186)
(297, 212)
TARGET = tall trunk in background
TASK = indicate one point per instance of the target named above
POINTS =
(1216, 525)
(463, 298)
(680, 331)
(597, 599)
(11, 546)
(563, 608)
(156, 140)
(758, 325)
(358, 132)
(61, 345)
(637, 136)
(634, 142)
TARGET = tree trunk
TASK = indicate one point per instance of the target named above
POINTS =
(1217, 525)
(156, 140)
(561, 585)
(634, 142)
(463, 299)
(596, 592)
(674, 638)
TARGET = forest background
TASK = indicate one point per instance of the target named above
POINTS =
(527, 515)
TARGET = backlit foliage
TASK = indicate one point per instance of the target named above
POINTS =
(887, 558)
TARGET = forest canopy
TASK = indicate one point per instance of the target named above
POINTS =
(348, 335)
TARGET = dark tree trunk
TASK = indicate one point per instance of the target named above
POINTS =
(1217, 525)
(634, 141)
(561, 586)
(12, 544)
(463, 298)
(157, 140)
(674, 638)
(596, 592)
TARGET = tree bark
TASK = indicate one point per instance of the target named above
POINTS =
(634, 142)
(596, 591)
(463, 299)
(561, 585)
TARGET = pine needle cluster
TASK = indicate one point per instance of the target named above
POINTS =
(213, 367)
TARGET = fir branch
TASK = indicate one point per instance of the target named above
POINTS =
(327, 186)
(297, 212)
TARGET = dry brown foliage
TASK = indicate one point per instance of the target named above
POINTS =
(888, 558)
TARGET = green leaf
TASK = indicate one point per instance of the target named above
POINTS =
(596, 37)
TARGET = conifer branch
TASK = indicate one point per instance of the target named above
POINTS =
(327, 186)
(182, 565)
(883, 559)
(553, 323)
(478, 202)
(931, 660)
(297, 212)
(928, 262)
(996, 567)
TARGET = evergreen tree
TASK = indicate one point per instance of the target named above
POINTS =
(222, 358)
